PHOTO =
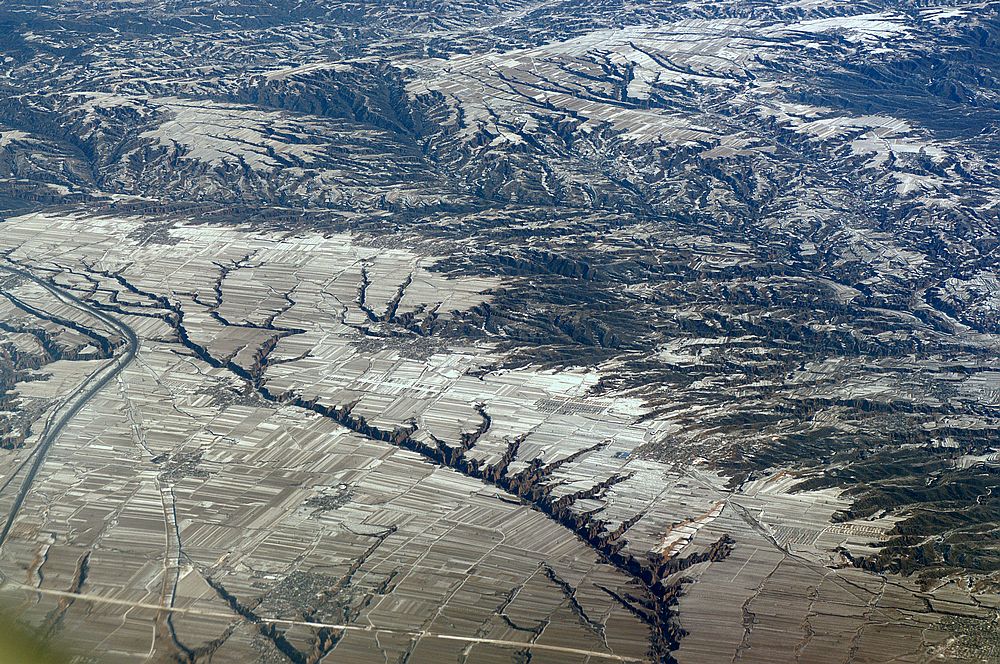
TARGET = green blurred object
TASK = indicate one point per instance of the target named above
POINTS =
(19, 645)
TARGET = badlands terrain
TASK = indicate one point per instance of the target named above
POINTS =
(483, 332)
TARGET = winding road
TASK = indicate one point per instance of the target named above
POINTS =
(75, 402)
